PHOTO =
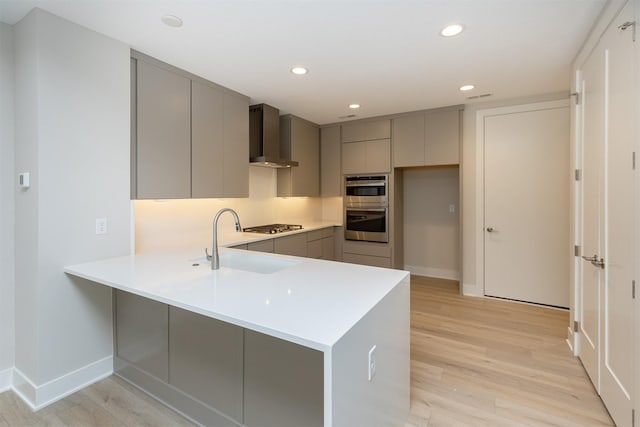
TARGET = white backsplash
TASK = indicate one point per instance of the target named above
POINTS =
(187, 223)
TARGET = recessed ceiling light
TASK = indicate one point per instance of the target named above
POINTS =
(354, 106)
(172, 21)
(451, 30)
(467, 88)
(300, 71)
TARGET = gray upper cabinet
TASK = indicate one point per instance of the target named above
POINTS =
(366, 130)
(190, 137)
(163, 133)
(429, 138)
(207, 144)
(330, 155)
(366, 147)
(236, 146)
(302, 140)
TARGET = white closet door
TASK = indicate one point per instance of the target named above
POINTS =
(526, 167)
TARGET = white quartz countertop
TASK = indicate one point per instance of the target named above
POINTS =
(310, 302)
(231, 238)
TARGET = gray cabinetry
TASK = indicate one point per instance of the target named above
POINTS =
(366, 147)
(366, 130)
(190, 137)
(366, 157)
(262, 246)
(141, 332)
(330, 168)
(163, 133)
(320, 244)
(207, 144)
(206, 360)
(429, 138)
(300, 140)
(283, 383)
(295, 245)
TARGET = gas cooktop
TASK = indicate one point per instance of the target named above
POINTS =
(272, 228)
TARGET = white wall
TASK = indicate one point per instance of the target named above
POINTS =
(470, 177)
(72, 134)
(6, 199)
(187, 223)
(431, 232)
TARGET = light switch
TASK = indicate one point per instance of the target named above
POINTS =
(101, 225)
(24, 180)
(452, 208)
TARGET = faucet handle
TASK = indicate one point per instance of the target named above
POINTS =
(206, 252)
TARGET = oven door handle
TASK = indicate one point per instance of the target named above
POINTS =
(366, 184)
(365, 210)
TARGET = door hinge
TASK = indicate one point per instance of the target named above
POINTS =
(577, 174)
(576, 250)
(576, 96)
(576, 326)
(628, 24)
(633, 289)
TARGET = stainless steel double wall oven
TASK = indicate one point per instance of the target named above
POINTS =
(366, 208)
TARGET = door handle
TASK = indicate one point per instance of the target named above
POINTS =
(594, 261)
(491, 230)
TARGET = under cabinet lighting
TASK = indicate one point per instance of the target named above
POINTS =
(354, 106)
(466, 88)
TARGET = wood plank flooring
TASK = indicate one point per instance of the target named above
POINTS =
(474, 361)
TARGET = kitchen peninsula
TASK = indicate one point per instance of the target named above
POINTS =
(266, 340)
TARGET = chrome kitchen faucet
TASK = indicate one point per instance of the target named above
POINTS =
(215, 259)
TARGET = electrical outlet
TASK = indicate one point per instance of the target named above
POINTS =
(101, 225)
(372, 363)
(452, 208)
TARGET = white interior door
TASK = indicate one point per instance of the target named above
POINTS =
(608, 309)
(593, 132)
(617, 352)
(526, 192)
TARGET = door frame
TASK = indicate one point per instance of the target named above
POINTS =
(479, 164)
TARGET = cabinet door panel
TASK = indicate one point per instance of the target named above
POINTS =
(378, 156)
(163, 133)
(291, 245)
(353, 158)
(284, 383)
(262, 246)
(236, 146)
(142, 329)
(206, 360)
(207, 141)
(330, 176)
(305, 148)
(314, 249)
(442, 145)
(365, 131)
(408, 140)
(328, 249)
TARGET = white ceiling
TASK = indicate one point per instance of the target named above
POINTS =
(384, 54)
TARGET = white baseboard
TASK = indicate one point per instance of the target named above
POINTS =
(438, 273)
(6, 379)
(37, 397)
(471, 290)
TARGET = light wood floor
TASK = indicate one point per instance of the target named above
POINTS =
(474, 361)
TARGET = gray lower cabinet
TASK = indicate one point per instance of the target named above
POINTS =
(295, 245)
(262, 246)
(163, 133)
(283, 383)
(320, 244)
(217, 373)
(141, 327)
(206, 360)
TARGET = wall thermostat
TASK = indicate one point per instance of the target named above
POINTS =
(25, 180)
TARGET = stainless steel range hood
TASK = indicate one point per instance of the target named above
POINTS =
(264, 138)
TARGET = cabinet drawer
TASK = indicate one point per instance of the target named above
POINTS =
(315, 235)
(295, 245)
(373, 261)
